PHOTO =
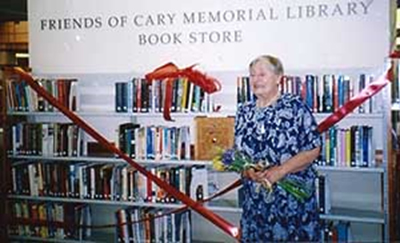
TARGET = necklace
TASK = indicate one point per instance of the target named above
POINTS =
(259, 118)
(260, 104)
(260, 113)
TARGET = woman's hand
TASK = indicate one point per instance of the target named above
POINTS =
(271, 175)
(252, 174)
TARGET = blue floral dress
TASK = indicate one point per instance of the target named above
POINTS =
(275, 134)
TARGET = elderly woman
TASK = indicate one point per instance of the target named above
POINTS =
(278, 128)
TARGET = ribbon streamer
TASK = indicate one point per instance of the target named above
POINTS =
(198, 207)
(170, 72)
(369, 91)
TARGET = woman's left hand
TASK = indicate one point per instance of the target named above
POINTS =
(273, 174)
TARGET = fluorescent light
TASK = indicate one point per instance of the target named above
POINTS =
(21, 55)
(398, 18)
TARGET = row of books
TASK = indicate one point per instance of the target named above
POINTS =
(395, 86)
(45, 139)
(67, 140)
(155, 142)
(323, 194)
(50, 220)
(348, 147)
(343, 147)
(157, 228)
(21, 97)
(322, 93)
(138, 95)
(336, 231)
(105, 181)
(331, 231)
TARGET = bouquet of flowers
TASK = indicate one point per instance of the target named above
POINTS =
(234, 160)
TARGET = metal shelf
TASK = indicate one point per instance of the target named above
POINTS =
(225, 209)
(379, 170)
(224, 205)
(357, 116)
(113, 160)
(177, 163)
(40, 239)
(177, 114)
(354, 215)
(34, 113)
(120, 114)
(232, 209)
(96, 201)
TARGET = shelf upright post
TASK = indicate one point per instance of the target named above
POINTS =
(393, 155)
(3, 158)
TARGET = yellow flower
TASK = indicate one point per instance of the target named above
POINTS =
(218, 165)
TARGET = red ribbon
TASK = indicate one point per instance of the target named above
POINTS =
(357, 100)
(198, 207)
(395, 54)
(169, 72)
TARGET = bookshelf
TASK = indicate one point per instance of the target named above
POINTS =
(349, 187)
(25, 159)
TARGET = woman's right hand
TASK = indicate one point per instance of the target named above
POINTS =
(259, 176)
(252, 174)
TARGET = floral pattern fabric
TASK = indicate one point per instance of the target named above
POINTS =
(275, 134)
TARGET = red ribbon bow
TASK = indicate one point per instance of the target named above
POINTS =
(169, 72)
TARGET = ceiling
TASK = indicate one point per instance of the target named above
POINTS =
(16, 10)
(13, 10)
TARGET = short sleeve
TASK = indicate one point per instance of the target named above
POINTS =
(310, 138)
